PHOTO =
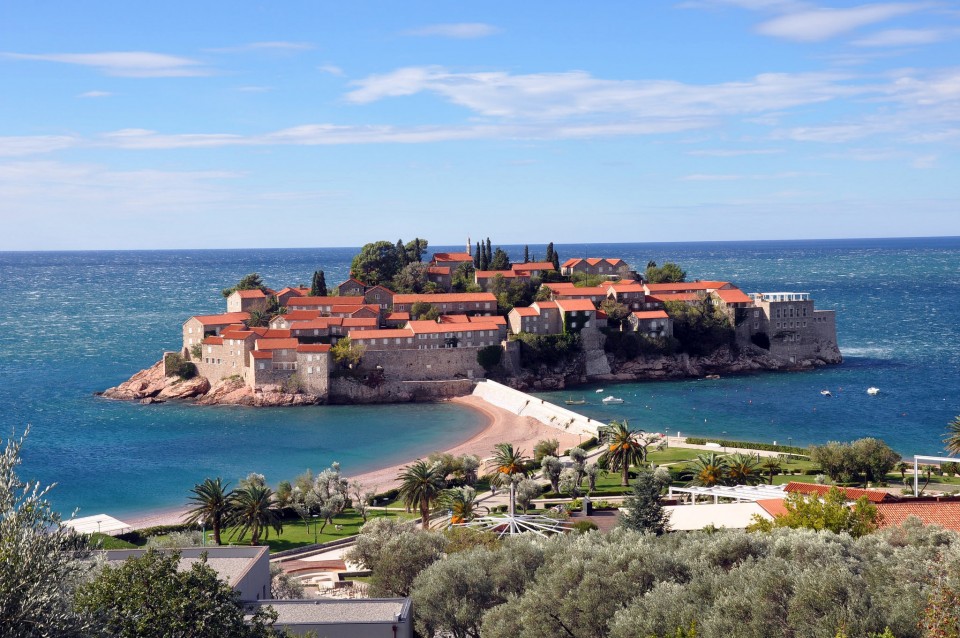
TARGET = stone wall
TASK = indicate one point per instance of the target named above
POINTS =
(425, 365)
(355, 390)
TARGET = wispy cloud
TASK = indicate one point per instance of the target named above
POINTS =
(332, 69)
(265, 46)
(91, 94)
(132, 64)
(906, 37)
(254, 89)
(36, 144)
(732, 177)
(815, 25)
(735, 152)
(576, 93)
(458, 30)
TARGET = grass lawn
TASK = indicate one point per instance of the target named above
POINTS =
(297, 534)
(103, 541)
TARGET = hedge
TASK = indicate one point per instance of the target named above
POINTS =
(751, 445)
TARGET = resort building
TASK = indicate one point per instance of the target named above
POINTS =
(246, 300)
(451, 260)
(787, 324)
(651, 323)
(351, 288)
(483, 303)
(442, 276)
(541, 317)
(324, 304)
(610, 268)
(195, 329)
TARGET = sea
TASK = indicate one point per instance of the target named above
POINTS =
(79, 322)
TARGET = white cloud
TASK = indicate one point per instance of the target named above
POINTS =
(735, 152)
(906, 37)
(332, 69)
(819, 24)
(254, 89)
(32, 145)
(131, 64)
(265, 46)
(459, 30)
(577, 93)
(712, 177)
(96, 94)
(752, 5)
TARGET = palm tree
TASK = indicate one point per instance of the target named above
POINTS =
(253, 509)
(743, 469)
(953, 436)
(505, 463)
(771, 465)
(462, 503)
(623, 449)
(420, 486)
(211, 504)
(708, 470)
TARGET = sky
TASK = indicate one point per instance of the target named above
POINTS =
(304, 123)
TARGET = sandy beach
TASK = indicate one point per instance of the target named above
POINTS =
(502, 427)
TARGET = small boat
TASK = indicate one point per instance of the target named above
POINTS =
(712, 376)
(599, 390)
(612, 399)
(576, 401)
(826, 393)
(873, 390)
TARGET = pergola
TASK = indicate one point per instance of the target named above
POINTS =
(512, 523)
(739, 493)
(100, 523)
(916, 468)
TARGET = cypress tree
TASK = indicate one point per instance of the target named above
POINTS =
(322, 285)
(489, 251)
(526, 254)
(645, 509)
(549, 256)
(417, 252)
(556, 261)
(402, 254)
(477, 257)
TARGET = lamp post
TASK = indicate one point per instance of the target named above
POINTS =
(315, 516)
(203, 531)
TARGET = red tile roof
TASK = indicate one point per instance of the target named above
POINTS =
(250, 294)
(390, 333)
(733, 295)
(237, 334)
(496, 319)
(571, 305)
(451, 257)
(453, 297)
(302, 302)
(585, 291)
(223, 319)
(687, 286)
(673, 296)
(315, 324)
(213, 341)
(352, 280)
(544, 304)
(454, 319)
(271, 333)
(397, 316)
(277, 344)
(852, 493)
(297, 292)
(313, 347)
(430, 327)
(261, 354)
(299, 315)
(651, 314)
(559, 285)
(946, 514)
(438, 270)
(627, 288)
(773, 506)
(506, 274)
(356, 322)
(526, 312)
(379, 287)
(533, 265)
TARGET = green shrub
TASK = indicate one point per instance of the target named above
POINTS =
(384, 497)
(751, 445)
(489, 357)
(549, 350)
(175, 364)
(582, 527)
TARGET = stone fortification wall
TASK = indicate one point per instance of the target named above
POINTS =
(356, 390)
(425, 365)
(523, 404)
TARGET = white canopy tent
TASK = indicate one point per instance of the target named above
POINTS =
(738, 493)
(100, 523)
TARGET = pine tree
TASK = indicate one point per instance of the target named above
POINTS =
(645, 511)
(526, 254)
(402, 253)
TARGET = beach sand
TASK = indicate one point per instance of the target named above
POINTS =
(502, 427)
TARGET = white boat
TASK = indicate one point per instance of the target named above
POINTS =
(599, 390)
(826, 393)
(612, 399)
(872, 390)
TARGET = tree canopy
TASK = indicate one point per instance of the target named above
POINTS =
(247, 282)
(377, 263)
(318, 287)
(668, 273)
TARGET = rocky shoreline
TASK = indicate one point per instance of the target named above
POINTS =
(152, 386)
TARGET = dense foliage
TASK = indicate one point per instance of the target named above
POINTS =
(751, 445)
(630, 345)
(863, 460)
(489, 357)
(700, 327)
(148, 597)
(549, 350)
(644, 511)
(247, 282)
(831, 513)
(669, 272)
(377, 263)
(318, 285)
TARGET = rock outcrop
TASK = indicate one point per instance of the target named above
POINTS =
(144, 384)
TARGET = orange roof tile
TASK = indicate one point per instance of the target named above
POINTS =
(946, 514)
(213, 341)
(430, 327)
(301, 302)
(250, 294)
(628, 288)
(544, 304)
(559, 285)
(221, 319)
(389, 333)
(453, 297)
(258, 354)
(773, 506)
(315, 324)
(526, 312)
(573, 305)
(239, 335)
(313, 347)
(397, 316)
(852, 493)
(451, 257)
(533, 265)
(438, 270)
(506, 274)
(733, 295)
(356, 322)
(271, 333)
(495, 319)
(299, 315)
(686, 286)
(277, 344)
(454, 319)
(651, 314)
(592, 291)
(673, 296)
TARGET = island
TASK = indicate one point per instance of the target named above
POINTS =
(405, 328)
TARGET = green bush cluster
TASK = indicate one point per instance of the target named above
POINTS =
(630, 345)
(750, 445)
(489, 357)
(177, 365)
(549, 350)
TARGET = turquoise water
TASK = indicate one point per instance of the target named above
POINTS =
(76, 323)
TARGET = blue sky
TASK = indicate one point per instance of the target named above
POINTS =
(236, 124)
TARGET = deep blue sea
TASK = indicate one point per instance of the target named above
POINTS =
(78, 322)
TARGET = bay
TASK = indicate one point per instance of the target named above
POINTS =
(78, 322)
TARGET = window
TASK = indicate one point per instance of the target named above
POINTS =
(756, 313)
(209, 349)
(261, 366)
(756, 325)
(310, 370)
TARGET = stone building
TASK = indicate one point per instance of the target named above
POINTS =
(788, 325)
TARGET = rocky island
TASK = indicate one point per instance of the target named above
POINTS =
(404, 329)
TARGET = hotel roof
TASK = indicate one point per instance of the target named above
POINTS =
(451, 257)
(573, 305)
(852, 493)
(453, 297)
(733, 295)
(430, 327)
(651, 314)
(326, 301)
(946, 514)
(533, 265)
(277, 344)
(221, 319)
(313, 347)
